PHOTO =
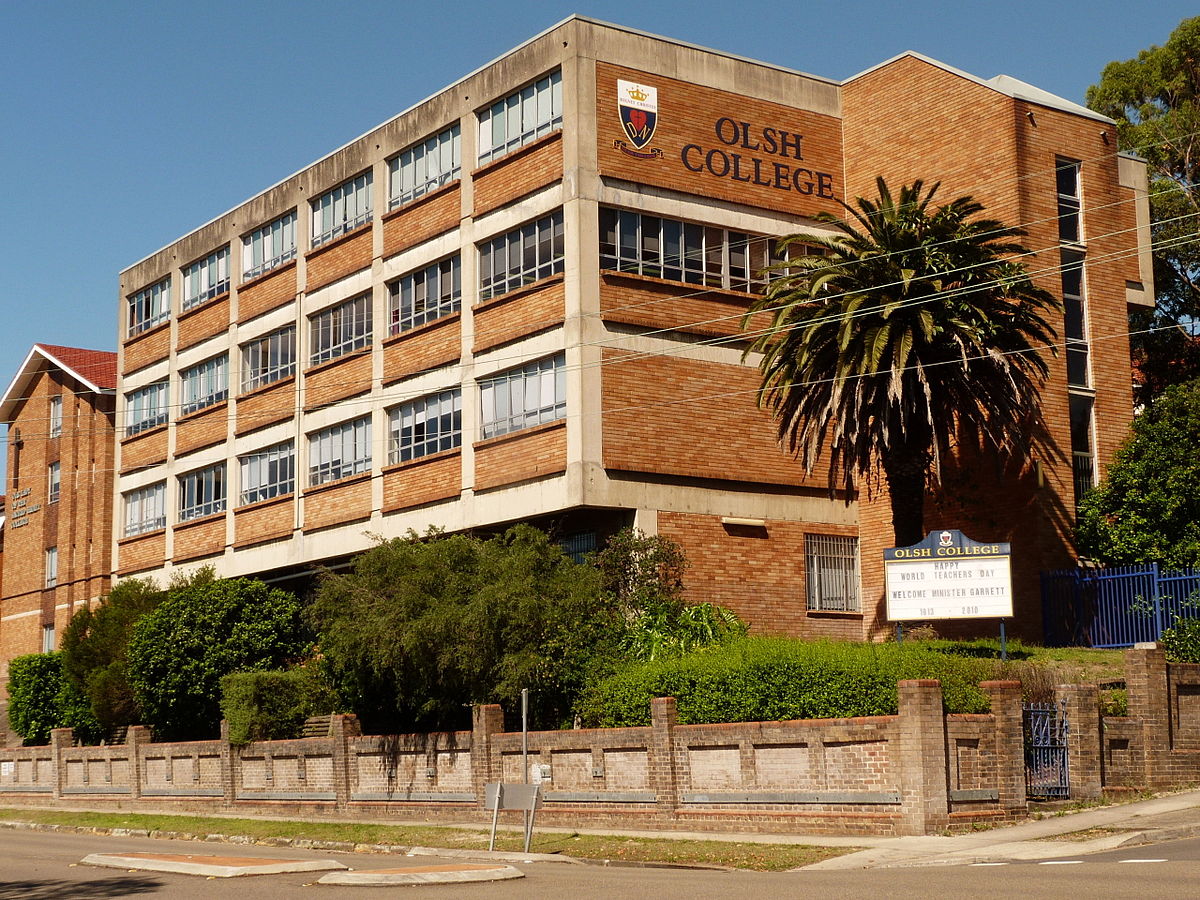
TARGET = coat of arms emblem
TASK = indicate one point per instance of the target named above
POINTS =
(638, 107)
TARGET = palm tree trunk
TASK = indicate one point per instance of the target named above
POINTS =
(906, 476)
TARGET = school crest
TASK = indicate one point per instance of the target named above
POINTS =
(637, 105)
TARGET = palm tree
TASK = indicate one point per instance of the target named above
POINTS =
(909, 332)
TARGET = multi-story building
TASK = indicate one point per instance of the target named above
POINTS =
(521, 299)
(59, 411)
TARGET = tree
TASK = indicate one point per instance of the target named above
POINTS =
(41, 699)
(1148, 507)
(425, 626)
(912, 331)
(202, 631)
(1155, 100)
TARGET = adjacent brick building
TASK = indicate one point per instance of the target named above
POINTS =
(521, 299)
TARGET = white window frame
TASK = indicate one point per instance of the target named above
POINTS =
(53, 482)
(149, 307)
(340, 329)
(342, 209)
(269, 358)
(425, 426)
(51, 567)
(521, 118)
(48, 638)
(204, 384)
(146, 509)
(267, 473)
(202, 492)
(831, 573)
(1070, 200)
(339, 451)
(522, 256)
(425, 295)
(270, 246)
(425, 167)
(206, 279)
(523, 397)
(56, 416)
(146, 408)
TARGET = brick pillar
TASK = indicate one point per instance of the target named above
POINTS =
(341, 729)
(1010, 743)
(921, 760)
(136, 737)
(664, 716)
(231, 768)
(485, 721)
(60, 739)
(1149, 702)
(1085, 740)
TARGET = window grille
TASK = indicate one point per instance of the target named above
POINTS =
(145, 509)
(202, 493)
(146, 408)
(149, 307)
(831, 570)
(204, 384)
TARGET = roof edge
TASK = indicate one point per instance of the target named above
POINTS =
(13, 394)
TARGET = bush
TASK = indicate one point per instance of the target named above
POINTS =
(272, 706)
(41, 699)
(1182, 641)
(770, 679)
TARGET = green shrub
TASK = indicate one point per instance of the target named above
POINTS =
(768, 679)
(41, 699)
(1182, 641)
(272, 706)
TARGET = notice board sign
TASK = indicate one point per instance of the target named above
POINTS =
(948, 576)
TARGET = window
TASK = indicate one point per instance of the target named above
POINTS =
(1067, 179)
(521, 118)
(341, 329)
(1075, 320)
(425, 295)
(54, 479)
(524, 397)
(522, 256)
(206, 279)
(268, 473)
(51, 566)
(146, 509)
(48, 638)
(425, 167)
(270, 246)
(149, 307)
(1083, 467)
(340, 451)
(202, 493)
(425, 426)
(146, 408)
(268, 359)
(56, 416)
(341, 210)
(831, 570)
(204, 384)
(684, 251)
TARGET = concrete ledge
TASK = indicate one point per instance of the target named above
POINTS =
(421, 796)
(452, 873)
(97, 789)
(208, 866)
(25, 789)
(183, 792)
(286, 795)
(969, 795)
(600, 797)
(868, 797)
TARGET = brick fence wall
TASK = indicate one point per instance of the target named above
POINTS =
(917, 772)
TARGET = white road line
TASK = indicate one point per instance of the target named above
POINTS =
(1061, 862)
(1141, 860)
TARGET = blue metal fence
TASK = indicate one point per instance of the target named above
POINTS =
(1117, 606)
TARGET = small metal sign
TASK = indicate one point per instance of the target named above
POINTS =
(525, 797)
(948, 576)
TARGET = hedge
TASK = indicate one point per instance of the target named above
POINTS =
(272, 706)
(41, 699)
(772, 679)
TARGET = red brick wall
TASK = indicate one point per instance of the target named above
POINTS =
(148, 347)
(421, 481)
(521, 456)
(425, 347)
(346, 376)
(203, 322)
(202, 429)
(656, 303)
(339, 258)
(432, 214)
(137, 554)
(338, 503)
(205, 537)
(267, 292)
(518, 313)
(266, 406)
(518, 173)
(265, 521)
(144, 449)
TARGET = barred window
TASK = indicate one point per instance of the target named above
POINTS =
(425, 295)
(269, 358)
(521, 117)
(831, 570)
(341, 329)
(206, 279)
(146, 408)
(202, 493)
(269, 246)
(340, 451)
(425, 426)
(425, 167)
(524, 397)
(204, 384)
(684, 251)
(268, 473)
(146, 509)
(53, 482)
(56, 416)
(524, 255)
(149, 307)
(341, 210)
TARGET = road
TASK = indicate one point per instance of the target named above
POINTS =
(41, 866)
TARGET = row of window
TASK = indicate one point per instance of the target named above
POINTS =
(518, 119)
(516, 399)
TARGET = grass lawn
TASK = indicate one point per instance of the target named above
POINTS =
(760, 857)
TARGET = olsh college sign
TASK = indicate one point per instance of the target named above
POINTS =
(948, 576)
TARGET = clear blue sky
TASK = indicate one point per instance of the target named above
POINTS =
(124, 125)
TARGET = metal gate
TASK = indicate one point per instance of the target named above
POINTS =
(1047, 776)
